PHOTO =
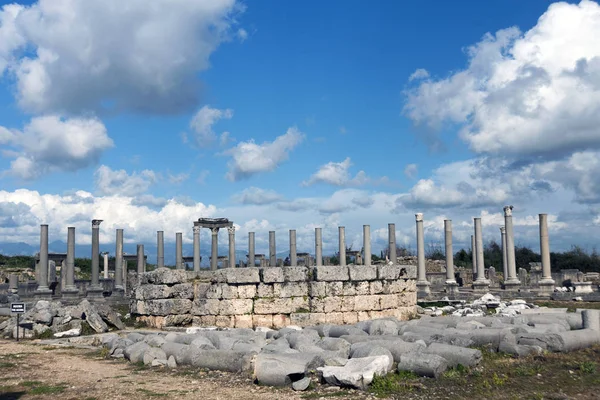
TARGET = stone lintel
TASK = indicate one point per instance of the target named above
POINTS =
(214, 223)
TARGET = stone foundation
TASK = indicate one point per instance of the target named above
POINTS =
(274, 297)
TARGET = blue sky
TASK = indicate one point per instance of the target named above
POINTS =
(292, 115)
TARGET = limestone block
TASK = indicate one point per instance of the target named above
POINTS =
(408, 272)
(224, 321)
(308, 319)
(242, 275)
(265, 321)
(200, 289)
(183, 291)
(235, 306)
(348, 303)
(331, 273)
(334, 289)
(363, 316)
(178, 320)
(281, 321)
(152, 292)
(317, 289)
(246, 291)
(363, 272)
(317, 304)
(407, 299)
(349, 288)
(271, 275)
(209, 276)
(243, 321)
(264, 290)
(367, 303)
(295, 274)
(165, 306)
(208, 320)
(164, 276)
(362, 288)
(391, 272)
(376, 287)
(332, 304)
(388, 301)
(393, 287)
(273, 306)
(228, 291)
(350, 317)
(214, 291)
(357, 373)
(290, 289)
(205, 307)
(300, 304)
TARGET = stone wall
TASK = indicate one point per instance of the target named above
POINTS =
(274, 297)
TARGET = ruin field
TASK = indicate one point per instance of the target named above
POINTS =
(33, 371)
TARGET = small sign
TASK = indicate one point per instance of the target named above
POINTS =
(17, 308)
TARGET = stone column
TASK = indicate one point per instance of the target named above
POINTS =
(367, 244)
(70, 290)
(422, 283)
(179, 250)
(13, 283)
(473, 257)
(503, 244)
(95, 290)
(546, 283)
(105, 259)
(251, 250)
(318, 247)
(392, 243)
(140, 259)
(272, 250)
(512, 282)
(196, 230)
(342, 247)
(293, 251)
(119, 262)
(231, 231)
(160, 249)
(42, 290)
(214, 249)
(481, 283)
(451, 285)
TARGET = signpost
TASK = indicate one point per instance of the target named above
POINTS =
(17, 308)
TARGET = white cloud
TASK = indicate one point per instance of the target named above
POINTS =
(524, 94)
(202, 125)
(118, 182)
(50, 143)
(337, 174)
(257, 196)
(178, 179)
(78, 55)
(418, 74)
(249, 158)
(411, 171)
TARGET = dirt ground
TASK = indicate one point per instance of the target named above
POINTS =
(29, 371)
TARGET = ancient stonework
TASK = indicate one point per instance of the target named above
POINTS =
(274, 297)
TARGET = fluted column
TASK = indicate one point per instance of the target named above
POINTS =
(70, 264)
(105, 260)
(140, 259)
(342, 245)
(272, 250)
(481, 283)
(450, 279)
(422, 283)
(503, 243)
(318, 247)
(119, 261)
(546, 283)
(160, 249)
(474, 256)
(392, 243)
(512, 282)
(42, 290)
(367, 244)
(214, 248)
(95, 284)
(251, 250)
(231, 232)
(179, 250)
(196, 230)
(293, 250)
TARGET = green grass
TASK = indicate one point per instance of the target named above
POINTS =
(47, 389)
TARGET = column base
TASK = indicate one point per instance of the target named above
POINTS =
(95, 293)
(583, 287)
(70, 293)
(481, 285)
(118, 292)
(513, 285)
(546, 286)
(43, 294)
(423, 289)
(451, 287)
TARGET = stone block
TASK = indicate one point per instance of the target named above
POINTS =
(317, 289)
(200, 289)
(290, 289)
(242, 275)
(367, 303)
(246, 291)
(178, 320)
(205, 307)
(264, 290)
(331, 273)
(408, 272)
(349, 288)
(165, 276)
(332, 304)
(334, 289)
(388, 301)
(363, 272)
(393, 287)
(391, 272)
(281, 321)
(214, 291)
(271, 275)
(225, 321)
(350, 318)
(295, 274)
(235, 306)
(363, 316)
(308, 319)
(208, 320)
(243, 321)
(407, 299)
(228, 291)
(362, 288)
(273, 306)
(262, 320)
(376, 287)
(300, 304)
(152, 292)
(348, 303)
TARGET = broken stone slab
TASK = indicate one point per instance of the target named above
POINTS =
(368, 349)
(281, 369)
(135, 352)
(357, 373)
(301, 385)
(423, 364)
(455, 355)
(509, 345)
(69, 333)
(591, 319)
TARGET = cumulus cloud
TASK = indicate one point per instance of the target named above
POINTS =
(249, 158)
(118, 182)
(202, 125)
(50, 144)
(337, 174)
(70, 56)
(524, 94)
(257, 196)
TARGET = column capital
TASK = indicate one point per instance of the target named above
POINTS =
(508, 211)
(196, 229)
(231, 230)
(503, 229)
(419, 217)
(214, 231)
(96, 223)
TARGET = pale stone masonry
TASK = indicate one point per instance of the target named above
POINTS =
(275, 297)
